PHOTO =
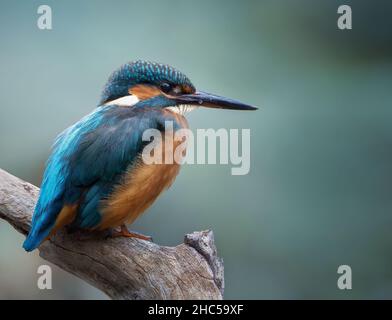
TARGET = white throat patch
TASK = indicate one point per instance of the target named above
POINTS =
(126, 101)
(131, 100)
(182, 108)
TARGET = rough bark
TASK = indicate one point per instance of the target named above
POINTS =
(122, 268)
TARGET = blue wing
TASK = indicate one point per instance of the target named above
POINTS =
(87, 161)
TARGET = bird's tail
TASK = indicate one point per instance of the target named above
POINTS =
(41, 226)
(30, 243)
(34, 239)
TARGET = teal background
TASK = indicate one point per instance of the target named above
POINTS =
(318, 193)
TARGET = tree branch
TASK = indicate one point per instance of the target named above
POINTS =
(122, 268)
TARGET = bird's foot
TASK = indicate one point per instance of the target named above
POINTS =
(124, 232)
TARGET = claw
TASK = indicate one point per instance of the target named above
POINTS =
(124, 232)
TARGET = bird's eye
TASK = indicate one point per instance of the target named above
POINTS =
(166, 87)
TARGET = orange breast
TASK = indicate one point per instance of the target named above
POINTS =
(141, 185)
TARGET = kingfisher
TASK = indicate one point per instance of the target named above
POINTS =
(95, 178)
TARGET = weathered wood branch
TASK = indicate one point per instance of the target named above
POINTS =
(122, 268)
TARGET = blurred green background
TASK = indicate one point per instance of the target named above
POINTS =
(318, 193)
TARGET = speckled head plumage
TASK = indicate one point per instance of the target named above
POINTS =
(144, 72)
(157, 85)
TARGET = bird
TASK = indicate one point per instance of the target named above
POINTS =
(95, 178)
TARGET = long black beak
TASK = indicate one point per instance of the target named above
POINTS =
(209, 100)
